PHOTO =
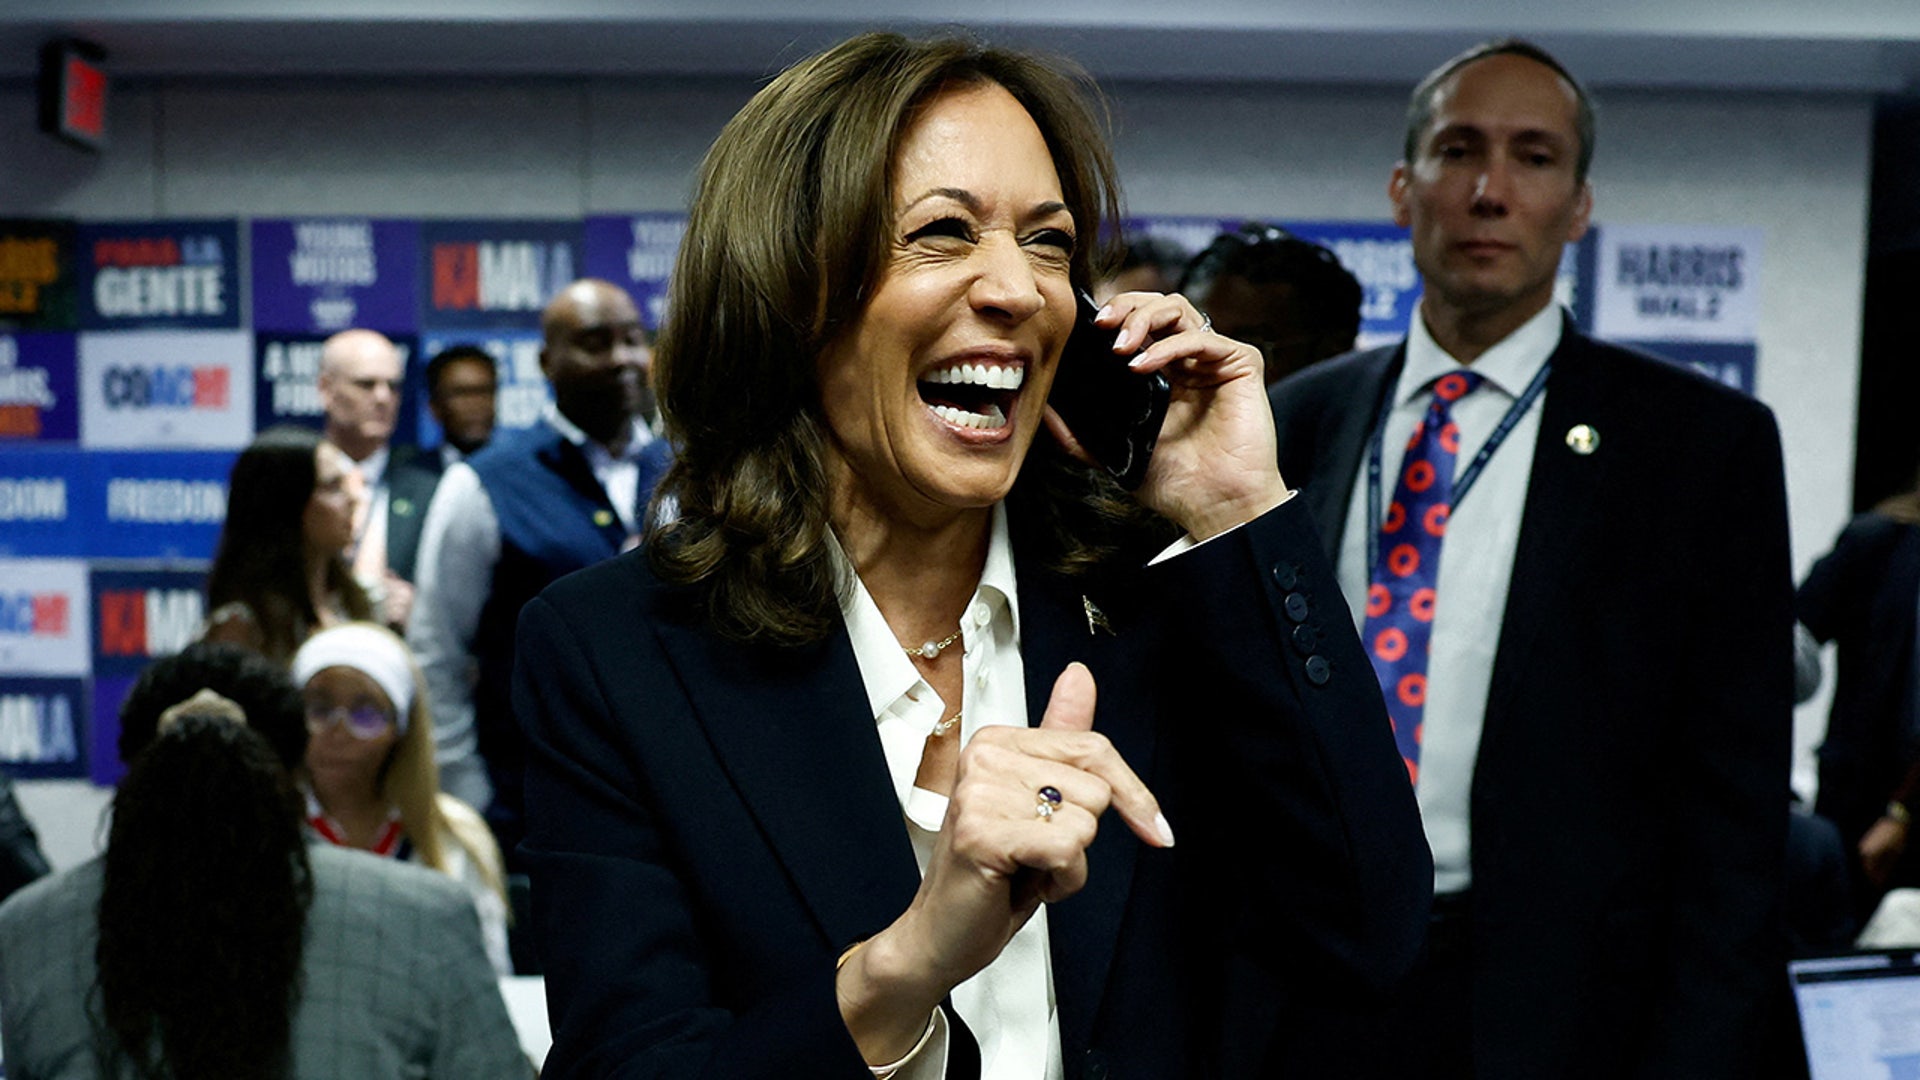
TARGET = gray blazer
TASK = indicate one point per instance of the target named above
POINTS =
(396, 981)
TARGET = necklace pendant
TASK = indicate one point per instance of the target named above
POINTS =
(929, 650)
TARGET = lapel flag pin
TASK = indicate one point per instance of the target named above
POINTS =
(603, 518)
(1582, 439)
(1096, 619)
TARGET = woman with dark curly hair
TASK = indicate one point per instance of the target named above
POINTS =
(280, 572)
(211, 940)
(811, 786)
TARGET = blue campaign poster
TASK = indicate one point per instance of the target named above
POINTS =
(39, 388)
(636, 252)
(40, 489)
(43, 731)
(480, 275)
(159, 275)
(167, 505)
(321, 275)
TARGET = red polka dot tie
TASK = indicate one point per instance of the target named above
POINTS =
(1401, 593)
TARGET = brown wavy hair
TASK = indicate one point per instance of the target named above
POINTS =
(786, 238)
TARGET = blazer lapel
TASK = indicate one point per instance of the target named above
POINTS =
(790, 726)
(1559, 507)
(1084, 929)
(1343, 440)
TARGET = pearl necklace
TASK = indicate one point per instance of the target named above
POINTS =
(931, 650)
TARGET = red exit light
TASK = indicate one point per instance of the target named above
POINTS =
(73, 92)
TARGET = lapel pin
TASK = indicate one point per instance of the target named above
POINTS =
(403, 507)
(604, 518)
(1582, 439)
(1096, 619)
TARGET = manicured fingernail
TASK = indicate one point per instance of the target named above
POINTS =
(1140, 360)
(1104, 311)
(1165, 830)
(1124, 341)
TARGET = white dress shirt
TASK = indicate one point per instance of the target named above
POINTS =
(1476, 562)
(1009, 1004)
(459, 549)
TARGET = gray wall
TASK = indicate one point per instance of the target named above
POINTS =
(1795, 165)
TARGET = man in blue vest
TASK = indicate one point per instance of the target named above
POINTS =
(530, 507)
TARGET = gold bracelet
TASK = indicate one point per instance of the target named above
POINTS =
(1898, 812)
(884, 1072)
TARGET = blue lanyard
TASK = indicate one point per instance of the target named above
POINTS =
(1465, 481)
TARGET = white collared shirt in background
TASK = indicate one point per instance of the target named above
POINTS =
(1009, 1004)
(1476, 562)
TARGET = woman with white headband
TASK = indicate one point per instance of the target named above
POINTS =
(370, 779)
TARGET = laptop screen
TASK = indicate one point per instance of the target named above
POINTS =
(1860, 1015)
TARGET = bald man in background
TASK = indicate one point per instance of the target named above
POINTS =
(361, 374)
(528, 508)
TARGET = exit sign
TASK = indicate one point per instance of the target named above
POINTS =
(73, 92)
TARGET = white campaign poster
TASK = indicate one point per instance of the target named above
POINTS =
(44, 617)
(1678, 283)
(166, 389)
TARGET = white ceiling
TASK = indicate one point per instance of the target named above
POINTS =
(1846, 46)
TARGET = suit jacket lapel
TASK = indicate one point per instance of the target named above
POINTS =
(1340, 455)
(791, 728)
(1084, 929)
(1559, 507)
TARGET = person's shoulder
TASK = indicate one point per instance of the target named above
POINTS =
(353, 885)
(512, 445)
(1331, 380)
(1653, 379)
(622, 585)
(30, 910)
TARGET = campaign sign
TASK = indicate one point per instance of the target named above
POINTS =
(40, 493)
(637, 253)
(493, 274)
(1188, 233)
(43, 606)
(154, 506)
(104, 766)
(154, 274)
(142, 615)
(286, 386)
(39, 399)
(523, 393)
(1678, 283)
(36, 274)
(163, 389)
(42, 732)
(1380, 256)
(1727, 364)
(321, 275)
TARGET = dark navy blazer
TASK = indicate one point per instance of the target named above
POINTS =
(711, 823)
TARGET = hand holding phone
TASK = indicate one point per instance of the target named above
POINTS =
(1114, 412)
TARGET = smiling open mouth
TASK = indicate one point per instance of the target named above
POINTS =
(972, 395)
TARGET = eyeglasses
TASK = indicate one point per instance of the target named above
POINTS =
(362, 721)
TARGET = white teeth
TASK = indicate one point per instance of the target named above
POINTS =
(991, 376)
(992, 420)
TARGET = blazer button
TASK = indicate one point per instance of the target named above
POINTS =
(1305, 639)
(1318, 670)
(1286, 575)
(1296, 605)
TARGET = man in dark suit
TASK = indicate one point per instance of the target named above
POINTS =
(462, 383)
(1592, 689)
(529, 508)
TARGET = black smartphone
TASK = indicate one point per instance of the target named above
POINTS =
(1114, 411)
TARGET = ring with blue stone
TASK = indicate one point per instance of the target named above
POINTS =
(1050, 800)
